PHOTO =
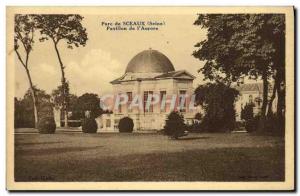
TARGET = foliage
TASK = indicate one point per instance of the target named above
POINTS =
(78, 105)
(57, 95)
(46, 109)
(23, 114)
(198, 116)
(71, 101)
(62, 27)
(195, 127)
(89, 125)
(240, 45)
(247, 112)
(24, 28)
(273, 125)
(88, 102)
(76, 114)
(217, 100)
(252, 124)
(46, 124)
(24, 110)
(41, 95)
(174, 126)
(126, 125)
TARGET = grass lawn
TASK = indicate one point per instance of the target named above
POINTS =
(148, 157)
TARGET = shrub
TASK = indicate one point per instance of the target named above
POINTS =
(252, 124)
(126, 125)
(174, 126)
(46, 125)
(45, 109)
(274, 125)
(212, 125)
(89, 125)
(239, 125)
(198, 116)
(271, 124)
(71, 124)
(195, 127)
(247, 112)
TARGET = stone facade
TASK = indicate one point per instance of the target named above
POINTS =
(148, 120)
(251, 93)
(158, 79)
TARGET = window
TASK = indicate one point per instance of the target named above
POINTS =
(162, 99)
(119, 105)
(108, 123)
(116, 123)
(250, 98)
(182, 101)
(146, 95)
(129, 95)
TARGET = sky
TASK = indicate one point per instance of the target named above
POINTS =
(107, 53)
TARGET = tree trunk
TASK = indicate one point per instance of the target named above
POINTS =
(281, 102)
(280, 93)
(264, 103)
(34, 98)
(265, 95)
(270, 105)
(63, 82)
(281, 108)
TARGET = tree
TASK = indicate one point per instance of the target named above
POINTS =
(61, 99)
(174, 126)
(24, 107)
(24, 37)
(72, 105)
(89, 102)
(217, 100)
(57, 28)
(277, 35)
(239, 45)
(71, 101)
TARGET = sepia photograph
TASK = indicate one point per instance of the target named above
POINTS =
(150, 98)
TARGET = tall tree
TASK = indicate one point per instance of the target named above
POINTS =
(239, 45)
(68, 28)
(277, 35)
(217, 100)
(24, 28)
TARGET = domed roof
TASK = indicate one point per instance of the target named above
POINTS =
(149, 61)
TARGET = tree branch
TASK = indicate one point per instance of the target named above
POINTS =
(20, 58)
(21, 40)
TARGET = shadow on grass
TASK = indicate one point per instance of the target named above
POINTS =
(193, 138)
(37, 143)
(53, 151)
(226, 164)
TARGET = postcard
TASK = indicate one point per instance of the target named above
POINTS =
(150, 98)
